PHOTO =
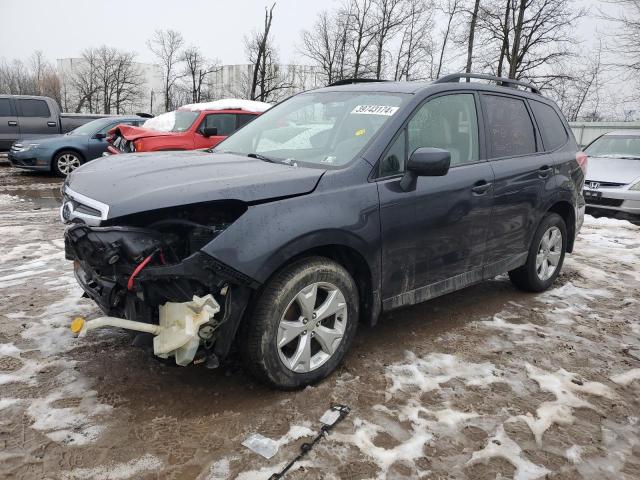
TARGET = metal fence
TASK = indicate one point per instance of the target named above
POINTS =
(586, 132)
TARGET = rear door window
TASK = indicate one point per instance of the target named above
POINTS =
(5, 108)
(551, 127)
(30, 107)
(510, 131)
(244, 119)
(224, 122)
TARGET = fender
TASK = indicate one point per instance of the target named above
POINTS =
(268, 235)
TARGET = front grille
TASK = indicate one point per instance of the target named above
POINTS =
(604, 184)
(606, 202)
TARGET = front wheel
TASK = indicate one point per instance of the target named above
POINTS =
(546, 256)
(302, 324)
(66, 162)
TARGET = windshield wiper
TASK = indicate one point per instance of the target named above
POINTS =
(262, 157)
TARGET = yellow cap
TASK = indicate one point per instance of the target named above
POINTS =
(76, 325)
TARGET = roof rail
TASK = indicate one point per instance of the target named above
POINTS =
(349, 81)
(507, 82)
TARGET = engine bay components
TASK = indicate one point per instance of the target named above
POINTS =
(176, 335)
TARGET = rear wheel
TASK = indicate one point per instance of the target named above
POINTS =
(66, 162)
(546, 256)
(302, 324)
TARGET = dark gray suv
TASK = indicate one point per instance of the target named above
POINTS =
(332, 207)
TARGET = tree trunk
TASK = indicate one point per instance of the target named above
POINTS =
(472, 34)
(517, 37)
(505, 38)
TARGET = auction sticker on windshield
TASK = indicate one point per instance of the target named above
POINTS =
(375, 110)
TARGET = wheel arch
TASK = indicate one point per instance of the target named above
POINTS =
(349, 257)
(567, 212)
(76, 150)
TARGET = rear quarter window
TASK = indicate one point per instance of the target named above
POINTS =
(33, 108)
(551, 127)
(510, 130)
(5, 108)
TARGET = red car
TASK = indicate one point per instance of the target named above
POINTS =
(194, 126)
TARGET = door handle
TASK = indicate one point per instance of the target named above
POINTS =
(481, 187)
(51, 124)
(12, 123)
(545, 171)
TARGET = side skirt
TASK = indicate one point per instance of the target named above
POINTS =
(452, 284)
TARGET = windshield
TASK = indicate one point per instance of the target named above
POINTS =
(615, 146)
(322, 128)
(91, 127)
(176, 121)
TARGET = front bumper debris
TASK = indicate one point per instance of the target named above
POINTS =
(178, 332)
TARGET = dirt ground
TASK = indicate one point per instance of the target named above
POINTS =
(488, 382)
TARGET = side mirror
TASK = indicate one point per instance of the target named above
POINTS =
(425, 162)
(100, 136)
(209, 131)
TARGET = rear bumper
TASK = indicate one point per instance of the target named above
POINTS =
(614, 199)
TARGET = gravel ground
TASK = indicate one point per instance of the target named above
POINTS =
(488, 382)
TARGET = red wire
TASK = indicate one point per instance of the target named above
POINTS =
(137, 270)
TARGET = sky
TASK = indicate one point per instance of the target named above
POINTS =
(63, 28)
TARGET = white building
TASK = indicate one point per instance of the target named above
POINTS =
(235, 80)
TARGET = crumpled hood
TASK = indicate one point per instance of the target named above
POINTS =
(130, 132)
(132, 183)
(616, 170)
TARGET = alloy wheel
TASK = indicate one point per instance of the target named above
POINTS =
(549, 253)
(67, 163)
(312, 327)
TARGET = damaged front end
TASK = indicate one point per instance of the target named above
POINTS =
(148, 273)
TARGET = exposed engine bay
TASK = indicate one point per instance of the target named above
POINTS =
(149, 266)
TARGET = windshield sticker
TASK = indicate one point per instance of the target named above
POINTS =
(374, 110)
(360, 132)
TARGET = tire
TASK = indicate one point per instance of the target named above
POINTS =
(539, 272)
(280, 317)
(65, 162)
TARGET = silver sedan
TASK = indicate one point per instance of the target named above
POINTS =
(613, 172)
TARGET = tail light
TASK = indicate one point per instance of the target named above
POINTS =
(582, 160)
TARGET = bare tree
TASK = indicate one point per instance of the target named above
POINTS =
(579, 94)
(166, 46)
(626, 38)
(415, 46)
(389, 16)
(258, 48)
(362, 31)
(325, 45)
(472, 34)
(451, 9)
(196, 70)
(128, 82)
(16, 79)
(533, 34)
(84, 81)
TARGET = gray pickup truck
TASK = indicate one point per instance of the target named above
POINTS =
(25, 116)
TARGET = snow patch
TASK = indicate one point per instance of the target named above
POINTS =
(162, 123)
(427, 374)
(501, 446)
(627, 377)
(118, 471)
(229, 104)
(564, 385)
